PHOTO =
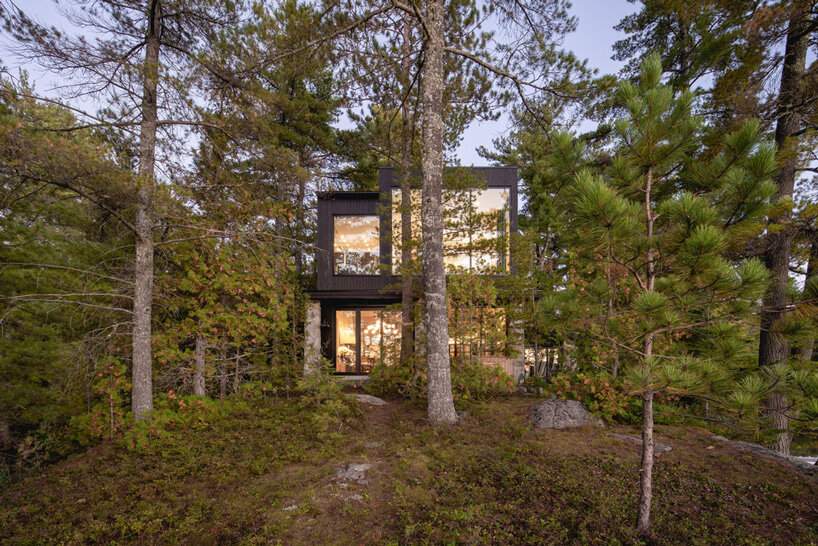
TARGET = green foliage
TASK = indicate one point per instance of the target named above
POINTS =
(471, 380)
(108, 408)
(600, 394)
(323, 399)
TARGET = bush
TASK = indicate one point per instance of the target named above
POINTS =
(470, 380)
(599, 394)
(323, 399)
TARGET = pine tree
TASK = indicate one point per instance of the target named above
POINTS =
(669, 220)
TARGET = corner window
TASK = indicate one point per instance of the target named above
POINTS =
(356, 246)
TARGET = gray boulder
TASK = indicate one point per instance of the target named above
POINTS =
(353, 472)
(371, 400)
(559, 414)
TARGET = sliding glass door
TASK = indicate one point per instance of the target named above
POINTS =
(364, 338)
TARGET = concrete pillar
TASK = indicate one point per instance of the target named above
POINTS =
(312, 338)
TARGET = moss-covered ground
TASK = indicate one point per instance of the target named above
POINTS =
(265, 475)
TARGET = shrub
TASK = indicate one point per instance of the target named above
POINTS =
(471, 380)
(599, 394)
(323, 398)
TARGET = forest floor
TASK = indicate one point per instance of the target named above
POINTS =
(265, 476)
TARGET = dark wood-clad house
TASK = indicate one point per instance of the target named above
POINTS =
(353, 314)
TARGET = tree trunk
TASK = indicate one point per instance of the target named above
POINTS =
(646, 472)
(5, 433)
(407, 331)
(772, 347)
(777, 407)
(441, 406)
(142, 394)
(199, 366)
(223, 373)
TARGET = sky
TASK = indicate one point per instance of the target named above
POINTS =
(593, 40)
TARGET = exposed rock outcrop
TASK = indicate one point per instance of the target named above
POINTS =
(558, 414)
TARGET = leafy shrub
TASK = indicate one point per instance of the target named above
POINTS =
(108, 409)
(471, 380)
(598, 393)
(171, 412)
(323, 399)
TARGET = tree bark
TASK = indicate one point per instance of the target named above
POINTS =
(441, 406)
(5, 433)
(772, 347)
(142, 393)
(199, 366)
(407, 307)
(646, 472)
(223, 373)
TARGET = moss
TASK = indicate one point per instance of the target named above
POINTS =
(491, 479)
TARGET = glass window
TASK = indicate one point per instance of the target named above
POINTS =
(376, 331)
(356, 245)
(346, 342)
(476, 229)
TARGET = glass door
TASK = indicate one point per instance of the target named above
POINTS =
(363, 338)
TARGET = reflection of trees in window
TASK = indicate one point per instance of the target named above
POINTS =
(477, 230)
(356, 245)
(476, 331)
(376, 331)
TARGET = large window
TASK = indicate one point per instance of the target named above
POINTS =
(476, 232)
(356, 246)
(364, 338)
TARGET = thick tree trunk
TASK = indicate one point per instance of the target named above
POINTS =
(199, 366)
(441, 406)
(772, 346)
(142, 394)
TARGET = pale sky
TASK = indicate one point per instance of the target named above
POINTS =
(592, 40)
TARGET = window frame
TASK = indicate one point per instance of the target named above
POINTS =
(358, 335)
(378, 246)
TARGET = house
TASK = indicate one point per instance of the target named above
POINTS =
(354, 316)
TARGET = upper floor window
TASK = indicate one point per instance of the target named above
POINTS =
(476, 229)
(356, 246)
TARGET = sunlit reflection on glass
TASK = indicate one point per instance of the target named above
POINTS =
(357, 245)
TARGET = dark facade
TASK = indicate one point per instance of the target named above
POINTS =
(355, 284)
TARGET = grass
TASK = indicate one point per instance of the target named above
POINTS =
(264, 475)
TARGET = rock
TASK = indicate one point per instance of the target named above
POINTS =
(558, 414)
(353, 472)
(354, 498)
(802, 465)
(658, 447)
(373, 445)
(290, 508)
(371, 400)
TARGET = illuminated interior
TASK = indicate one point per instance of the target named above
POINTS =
(356, 245)
(375, 331)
